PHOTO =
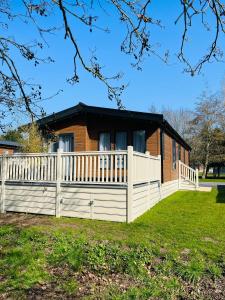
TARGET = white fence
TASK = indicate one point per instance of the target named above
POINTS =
(146, 167)
(188, 174)
(110, 185)
(110, 172)
(107, 167)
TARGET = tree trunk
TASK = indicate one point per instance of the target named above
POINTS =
(206, 162)
(219, 169)
(204, 171)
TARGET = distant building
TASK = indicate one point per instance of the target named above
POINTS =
(9, 147)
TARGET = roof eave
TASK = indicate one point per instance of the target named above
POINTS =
(175, 134)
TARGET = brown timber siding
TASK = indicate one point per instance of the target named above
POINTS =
(78, 127)
(4, 150)
(86, 132)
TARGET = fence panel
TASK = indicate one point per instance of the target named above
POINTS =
(95, 167)
(146, 168)
(31, 167)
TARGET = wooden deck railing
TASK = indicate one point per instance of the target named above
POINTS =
(105, 167)
(146, 167)
(189, 174)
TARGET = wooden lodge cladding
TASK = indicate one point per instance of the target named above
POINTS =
(83, 127)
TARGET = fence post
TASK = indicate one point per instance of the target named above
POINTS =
(160, 176)
(197, 180)
(129, 183)
(179, 174)
(148, 172)
(159, 168)
(58, 183)
(3, 177)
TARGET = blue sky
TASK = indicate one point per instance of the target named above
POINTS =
(157, 84)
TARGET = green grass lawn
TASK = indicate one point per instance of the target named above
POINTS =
(212, 178)
(174, 251)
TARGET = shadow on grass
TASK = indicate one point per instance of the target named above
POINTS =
(220, 198)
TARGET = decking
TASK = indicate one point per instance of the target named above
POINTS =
(110, 185)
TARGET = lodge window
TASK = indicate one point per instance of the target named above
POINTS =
(139, 142)
(104, 141)
(121, 140)
(64, 142)
(179, 152)
(163, 145)
(104, 145)
(174, 154)
(184, 156)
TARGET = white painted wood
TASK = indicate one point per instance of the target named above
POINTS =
(108, 166)
(99, 162)
(58, 183)
(30, 200)
(29, 187)
(94, 170)
(78, 174)
(187, 173)
(31, 204)
(96, 190)
(3, 175)
(74, 168)
(86, 167)
(82, 168)
(31, 210)
(90, 169)
(129, 183)
(123, 183)
(103, 168)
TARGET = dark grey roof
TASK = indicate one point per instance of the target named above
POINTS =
(127, 114)
(81, 107)
(10, 144)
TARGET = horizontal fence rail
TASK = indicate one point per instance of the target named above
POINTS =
(95, 167)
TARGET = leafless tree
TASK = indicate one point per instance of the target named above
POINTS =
(207, 130)
(180, 119)
(136, 21)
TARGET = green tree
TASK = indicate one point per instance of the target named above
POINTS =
(33, 141)
(207, 131)
(12, 135)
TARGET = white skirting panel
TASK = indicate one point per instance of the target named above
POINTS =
(146, 196)
(30, 199)
(92, 202)
(100, 203)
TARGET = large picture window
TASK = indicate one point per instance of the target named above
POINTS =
(64, 142)
(121, 140)
(139, 141)
(174, 153)
(104, 141)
